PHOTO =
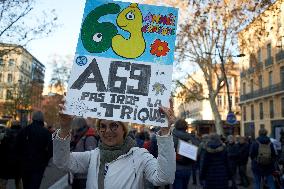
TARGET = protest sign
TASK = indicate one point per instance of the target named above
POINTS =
(188, 150)
(122, 69)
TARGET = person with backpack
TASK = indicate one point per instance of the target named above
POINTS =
(83, 139)
(183, 164)
(263, 155)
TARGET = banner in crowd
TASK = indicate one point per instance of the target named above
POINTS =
(122, 69)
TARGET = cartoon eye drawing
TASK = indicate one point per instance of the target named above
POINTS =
(130, 16)
(98, 37)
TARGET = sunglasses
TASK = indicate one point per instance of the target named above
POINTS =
(112, 126)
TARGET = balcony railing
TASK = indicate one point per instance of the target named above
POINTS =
(269, 61)
(263, 92)
(280, 56)
(251, 70)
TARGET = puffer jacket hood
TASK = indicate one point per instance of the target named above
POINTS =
(263, 139)
(214, 146)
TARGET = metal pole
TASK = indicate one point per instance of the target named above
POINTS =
(226, 81)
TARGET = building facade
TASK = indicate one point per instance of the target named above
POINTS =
(21, 82)
(262, 73)
(200, 111)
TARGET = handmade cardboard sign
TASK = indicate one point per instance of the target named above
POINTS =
(122, 69)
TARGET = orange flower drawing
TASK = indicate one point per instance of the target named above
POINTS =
(159, 48)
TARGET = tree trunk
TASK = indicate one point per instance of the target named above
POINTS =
(218, 121)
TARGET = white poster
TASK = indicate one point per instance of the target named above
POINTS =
(188, 150)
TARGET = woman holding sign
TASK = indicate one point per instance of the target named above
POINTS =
(117, 163)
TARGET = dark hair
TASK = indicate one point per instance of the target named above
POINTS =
(262, 132)
(38, 116)
(181, 124)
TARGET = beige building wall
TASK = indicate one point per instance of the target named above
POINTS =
(262, 73)
(19, 69)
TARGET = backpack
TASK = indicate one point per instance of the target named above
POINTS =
(264, 154)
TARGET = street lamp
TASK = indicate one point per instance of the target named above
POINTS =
(226, 79)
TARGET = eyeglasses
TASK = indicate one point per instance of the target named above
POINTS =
(112, 126)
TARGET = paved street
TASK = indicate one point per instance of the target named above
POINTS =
(53, 179)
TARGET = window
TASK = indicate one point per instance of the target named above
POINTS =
(1, 93)
(271, 109)
(245, 113)
(236, 100)
(251, 85)
(1, 76)
(259, 57)
(9, 95)
(230, 83)
(268, 50)
(282, 107)
(219, 100)
(10, 78)
(282, 75)
(11, 62)
(260, 81)
(270, 78)
(1, 62)
(261, 110)
(252, 112)
(244, 88)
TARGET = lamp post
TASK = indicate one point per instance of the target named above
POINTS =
(226, 79)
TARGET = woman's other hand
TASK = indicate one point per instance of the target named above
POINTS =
(169, 112)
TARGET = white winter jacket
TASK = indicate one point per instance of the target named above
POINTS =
(127, 171)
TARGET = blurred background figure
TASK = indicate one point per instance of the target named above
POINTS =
(183, 164)
(263, 155)
(83, 139)
(214, 166)
(9, 159)
(233, 155)
(242, 161)
(34, 147)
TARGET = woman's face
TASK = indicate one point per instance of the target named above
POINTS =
(111, 132)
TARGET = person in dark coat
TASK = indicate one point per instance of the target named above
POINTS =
(242, 161)
(9, 158)
(260, 171)
(195, 164)
(34, 146)
(233, 153)
(183, 164)
(214, 167)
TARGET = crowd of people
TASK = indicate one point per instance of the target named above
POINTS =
(112, 156)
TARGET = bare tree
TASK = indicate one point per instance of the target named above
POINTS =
(60, 73)
(20, 24)
(208, 38)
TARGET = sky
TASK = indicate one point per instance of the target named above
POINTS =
(63, 40)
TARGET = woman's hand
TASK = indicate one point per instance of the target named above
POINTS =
(169, 112)
(64, 120)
